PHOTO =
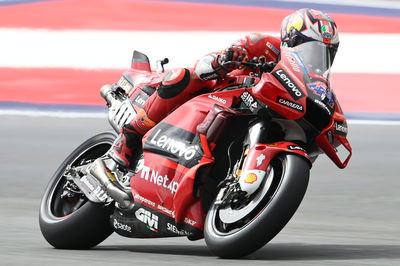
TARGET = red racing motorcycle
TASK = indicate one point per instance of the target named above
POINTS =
(230, 165)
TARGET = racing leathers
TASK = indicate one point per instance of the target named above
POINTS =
(180, 85)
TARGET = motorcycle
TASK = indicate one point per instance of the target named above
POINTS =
(231, 165)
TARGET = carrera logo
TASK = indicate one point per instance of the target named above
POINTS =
(153, 176)
(148, 218)
(289, 84)
(290, 104)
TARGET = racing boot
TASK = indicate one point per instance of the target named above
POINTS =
(126, 147)
(124, 151)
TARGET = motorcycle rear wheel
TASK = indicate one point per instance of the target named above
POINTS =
(74, 222)
(271, 210)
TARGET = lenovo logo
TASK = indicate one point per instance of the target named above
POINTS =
(289, 84)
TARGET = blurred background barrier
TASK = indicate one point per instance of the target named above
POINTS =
(61, 52)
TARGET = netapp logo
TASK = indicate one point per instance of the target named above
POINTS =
(289, 84)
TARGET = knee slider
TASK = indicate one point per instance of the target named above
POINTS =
(174, 83)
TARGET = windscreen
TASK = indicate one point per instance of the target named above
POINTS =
(316, 58)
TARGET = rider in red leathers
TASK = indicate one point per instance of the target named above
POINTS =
(180, 85)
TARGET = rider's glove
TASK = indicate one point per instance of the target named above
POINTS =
(234, 54)
(229, 60)
(217, 65)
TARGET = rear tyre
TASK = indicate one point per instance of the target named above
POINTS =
(270, 210)
(73, 222)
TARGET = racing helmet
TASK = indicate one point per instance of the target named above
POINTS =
(305, 25)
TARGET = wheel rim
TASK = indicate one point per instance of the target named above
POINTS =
(227, 221)
(228, 215)
(61, 207)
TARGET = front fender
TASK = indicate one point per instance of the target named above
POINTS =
(258, 159)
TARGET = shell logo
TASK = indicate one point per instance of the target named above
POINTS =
(250, 178)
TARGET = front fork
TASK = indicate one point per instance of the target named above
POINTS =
(254, 164)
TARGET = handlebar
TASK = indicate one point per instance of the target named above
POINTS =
(257, 65)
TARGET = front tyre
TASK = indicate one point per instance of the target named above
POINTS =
(67, 219)
(265, 215)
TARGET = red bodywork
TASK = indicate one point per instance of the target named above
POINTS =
(166, 180)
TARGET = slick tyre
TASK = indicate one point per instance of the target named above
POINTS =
(73, 222)
(268, 212)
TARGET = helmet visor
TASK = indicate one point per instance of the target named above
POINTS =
(317, 57)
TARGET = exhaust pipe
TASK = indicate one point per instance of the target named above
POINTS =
(98, 170)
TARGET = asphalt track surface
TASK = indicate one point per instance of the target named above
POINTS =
(348, 217)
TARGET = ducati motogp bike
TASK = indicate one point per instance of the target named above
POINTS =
(231, 165)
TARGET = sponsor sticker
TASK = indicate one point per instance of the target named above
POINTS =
(260, 159)
(95, 189)
(189, 221)
(172, 228)
(153, 176)
(121, 226)
(140, 100)
(320, 89)
(293, 105)
(293, 63)
(144, 200)
(215, 98)
(176, 144)
(250, 178)
(287, 82)
(323, 105)
(273, 48)
(148, 218)
(168, 211)
(296, 148)
(341, 128)
(249, 100)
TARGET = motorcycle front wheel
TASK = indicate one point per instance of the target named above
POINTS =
(232, 232)
(67, 219)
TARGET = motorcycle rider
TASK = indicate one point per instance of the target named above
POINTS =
(179, 85)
